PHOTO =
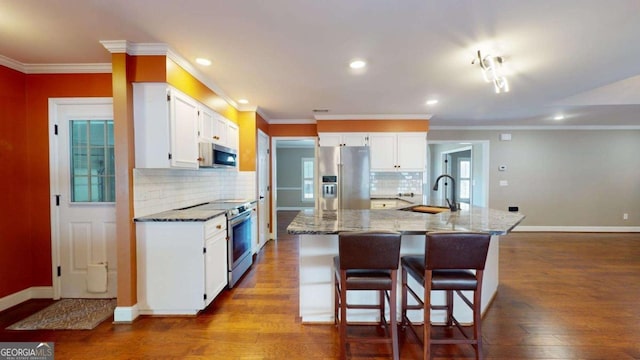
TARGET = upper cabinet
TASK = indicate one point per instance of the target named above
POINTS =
(217, 129)
(398, 151)
(166, 127)
(169, 125)
(343, 139)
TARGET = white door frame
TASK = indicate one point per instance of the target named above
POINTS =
(465, 145)
(274, 175)
(268, 235)
(54, 186)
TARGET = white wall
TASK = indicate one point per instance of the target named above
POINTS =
(571, 178)
(157, 190)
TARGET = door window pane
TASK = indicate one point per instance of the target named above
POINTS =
(464, 171)
(92, 161)
(307, 179)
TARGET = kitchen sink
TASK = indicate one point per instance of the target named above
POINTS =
(427, 209)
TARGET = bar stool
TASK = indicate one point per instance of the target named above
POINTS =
(367, 261)
(447, 265)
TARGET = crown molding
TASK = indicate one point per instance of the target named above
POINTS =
(375, 117)
(11, 64)
(135, 49)
(149, 49)
(185, 64)
(55, 68)
(260, 112)
(67, 68)
(540, 127)
(292, 121)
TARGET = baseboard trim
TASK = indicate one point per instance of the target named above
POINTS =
(125, 314)
(604, 229)
(34, 292)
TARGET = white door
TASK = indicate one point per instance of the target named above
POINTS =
(83, 197)
(263, 188)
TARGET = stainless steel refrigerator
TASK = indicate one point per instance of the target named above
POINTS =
(343, 177)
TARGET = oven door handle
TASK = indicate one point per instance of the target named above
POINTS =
(239, 218)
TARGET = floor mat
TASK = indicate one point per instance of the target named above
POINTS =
(69, 314)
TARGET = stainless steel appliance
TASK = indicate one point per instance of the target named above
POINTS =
(239, 225)
(214, 155)
(343, 173)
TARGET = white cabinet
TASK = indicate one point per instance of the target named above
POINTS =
(233, 134)
(217, 129)
(389, 203)
(398, 151)
(182, 266)
(215, 268)
(206, 128)
(384, 204)
(166, 127)
(343, 139)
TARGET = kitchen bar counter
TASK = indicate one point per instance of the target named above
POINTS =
(495, 222)
(318, 239)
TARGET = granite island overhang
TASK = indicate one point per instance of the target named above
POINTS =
(318, 238)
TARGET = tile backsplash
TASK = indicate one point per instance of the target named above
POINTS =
(391, 183)
(157, 190)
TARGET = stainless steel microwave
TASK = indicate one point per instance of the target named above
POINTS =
(216, 156)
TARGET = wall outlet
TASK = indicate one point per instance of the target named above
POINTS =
(625, 216)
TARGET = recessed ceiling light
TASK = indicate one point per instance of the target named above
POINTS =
(243, 101)
(357, 64)
(432, 102)
(203, 61)
(558, 117)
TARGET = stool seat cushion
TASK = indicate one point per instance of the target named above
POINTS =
(444, 279)
(365, 279)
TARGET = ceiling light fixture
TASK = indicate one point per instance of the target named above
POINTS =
(357, 64)
(558, 117)
(243, 101)
(492, 71)
(203, 61)
(432, 102)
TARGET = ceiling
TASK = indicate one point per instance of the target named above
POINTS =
(289, 57)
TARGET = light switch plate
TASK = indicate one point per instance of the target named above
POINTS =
(504, 183)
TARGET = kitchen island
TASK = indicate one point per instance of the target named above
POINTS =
(318, 235)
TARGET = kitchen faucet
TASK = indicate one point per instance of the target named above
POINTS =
(453, 205)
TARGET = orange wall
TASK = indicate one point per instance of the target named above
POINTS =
(185, 82)
(25, 259)
(16, 261)
(372, 125)
(248, 140)
(293, 130)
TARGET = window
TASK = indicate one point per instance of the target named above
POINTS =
(92, 170)
(464, 171)
(308, 182)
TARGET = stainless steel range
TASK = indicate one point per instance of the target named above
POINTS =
(239, 226)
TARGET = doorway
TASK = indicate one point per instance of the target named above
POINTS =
(82, 188)
(468, 163)
(293, 176)
(263, 189)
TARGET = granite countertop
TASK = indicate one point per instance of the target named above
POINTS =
(197, 213)
(311, 221)
(200, 212)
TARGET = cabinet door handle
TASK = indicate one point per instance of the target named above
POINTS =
(218, 226)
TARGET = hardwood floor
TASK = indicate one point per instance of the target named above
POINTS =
(561, 296)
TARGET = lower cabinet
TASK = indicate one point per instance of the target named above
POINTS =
(182, 266)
